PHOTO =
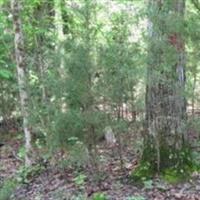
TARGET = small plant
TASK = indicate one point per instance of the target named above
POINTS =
(72, 140)
(80, 179)
(148, 184)
(142, 173)
(99, 196)
(21, 153)
(25, 174)
(7, 189)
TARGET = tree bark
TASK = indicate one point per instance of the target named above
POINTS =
(21, 75)
(59, 32)
(193, 93)
(165, 101)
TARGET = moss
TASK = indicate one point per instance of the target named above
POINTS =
(143, 172)
(183, 168)
(175, 166)
(173, 176)
(178, 174)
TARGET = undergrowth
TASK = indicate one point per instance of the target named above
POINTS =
(7, 189)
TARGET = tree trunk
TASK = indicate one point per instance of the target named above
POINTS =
(165, 101)
(193, 93)
(21, 75)
(59, 32)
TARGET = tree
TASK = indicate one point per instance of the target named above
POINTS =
(165, 101)
(59, 28)
(7, 78)
(21, 75)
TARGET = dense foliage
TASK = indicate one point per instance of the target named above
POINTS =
(102, 70)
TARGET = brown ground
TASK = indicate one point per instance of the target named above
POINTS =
(59, 183)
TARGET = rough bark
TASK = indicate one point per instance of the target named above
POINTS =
(165, 101)
(21, 75)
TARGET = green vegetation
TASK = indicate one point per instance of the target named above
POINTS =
(99, 196)
(7, 189)
(92, 90)
(186, 165)
(25, 175)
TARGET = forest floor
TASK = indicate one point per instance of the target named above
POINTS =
(80, 183)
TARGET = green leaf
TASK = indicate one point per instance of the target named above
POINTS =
(5, 74)
(80, 179)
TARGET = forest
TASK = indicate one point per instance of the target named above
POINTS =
(99, 100)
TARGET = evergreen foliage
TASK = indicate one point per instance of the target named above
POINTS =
(87, 70)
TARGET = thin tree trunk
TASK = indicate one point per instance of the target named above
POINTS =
(193, 94)
(60, 32)
(21, 75)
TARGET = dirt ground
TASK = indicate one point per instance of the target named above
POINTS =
(74, 182)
